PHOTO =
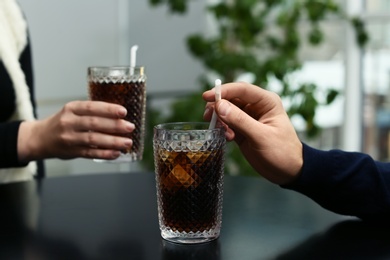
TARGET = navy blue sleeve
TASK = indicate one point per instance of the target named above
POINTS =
(347, 183)
(8, 145)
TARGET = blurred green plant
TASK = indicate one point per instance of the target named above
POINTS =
(263, 38)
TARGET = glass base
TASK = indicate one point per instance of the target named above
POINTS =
(123, 158)
(189, 238)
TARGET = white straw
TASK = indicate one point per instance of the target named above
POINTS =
(217, 89)
(133, 57)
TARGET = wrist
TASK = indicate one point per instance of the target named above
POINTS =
(28, 143)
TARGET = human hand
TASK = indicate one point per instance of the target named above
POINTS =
(257, 122)
(87, 129)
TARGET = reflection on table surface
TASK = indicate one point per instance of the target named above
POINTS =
(114, 216)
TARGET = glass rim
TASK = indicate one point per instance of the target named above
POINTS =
(120, 67)
(116, 71)
(170, 126)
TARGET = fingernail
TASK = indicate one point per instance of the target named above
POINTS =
(122, 112)
(115, 154)
(128, 142)
(223, 108)
(130, 126)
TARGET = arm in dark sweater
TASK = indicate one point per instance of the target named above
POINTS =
(346, 183)
(8, 145)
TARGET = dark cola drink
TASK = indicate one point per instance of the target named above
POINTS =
(189, 177)
(128, 91)
(190, 190)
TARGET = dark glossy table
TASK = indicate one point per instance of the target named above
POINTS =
(114, 216)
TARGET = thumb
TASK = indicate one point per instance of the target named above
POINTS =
(235, 118)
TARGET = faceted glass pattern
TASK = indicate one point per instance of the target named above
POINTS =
(189, 162)
(125, 86)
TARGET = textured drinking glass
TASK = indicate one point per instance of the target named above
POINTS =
(189, 164)
(125, 86)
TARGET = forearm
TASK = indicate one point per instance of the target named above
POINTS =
(346, 183)
(28, 142)
(9, 133)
